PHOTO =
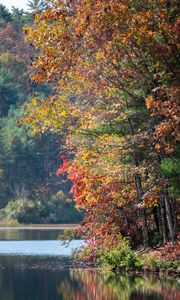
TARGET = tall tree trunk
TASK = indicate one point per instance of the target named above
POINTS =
(165, 205)
(163, 218)
(173, 208)
(142, 212)
(169, 214)
(138, 183)
(156, 218)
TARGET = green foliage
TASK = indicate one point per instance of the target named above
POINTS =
(24, 176)
(36, 4)
(5, 14)
(18, 150)
(170, 168)
(170, 265)
(28, 182)
(156, 238)
(9, 93)
(14, 208)
(106, 129)
(19, 17)
(52, 209)
(121, 257)
(154, 264)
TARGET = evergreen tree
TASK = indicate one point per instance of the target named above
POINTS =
(9, 93)
(36, 4)
(5, 14)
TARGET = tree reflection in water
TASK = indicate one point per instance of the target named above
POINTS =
(93, 285)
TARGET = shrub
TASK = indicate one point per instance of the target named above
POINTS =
(154, 264)
(120, 256)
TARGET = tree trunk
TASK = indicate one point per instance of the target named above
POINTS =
(142, 213)
(159, 216)
(144, 228)
(163, 218)
(156, 218)
(163, 201)
(169, 215)
(174, 218)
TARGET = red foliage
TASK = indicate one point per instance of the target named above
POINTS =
(95, 195)
(64, 166)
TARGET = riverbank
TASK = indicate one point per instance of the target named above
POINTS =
(10, 225)
(154, 267)
(160, 260)
(164, 259)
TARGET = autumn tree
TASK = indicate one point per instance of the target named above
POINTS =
(114, 65)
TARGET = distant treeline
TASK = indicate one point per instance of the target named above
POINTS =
(30, 191)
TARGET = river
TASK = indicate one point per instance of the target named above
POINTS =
(34, 265)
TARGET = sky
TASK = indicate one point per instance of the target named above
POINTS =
(16, 3)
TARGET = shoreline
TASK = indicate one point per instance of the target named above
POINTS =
(159, 266)
(40, 227)
(143, 272)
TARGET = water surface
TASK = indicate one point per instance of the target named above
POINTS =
(29, 234)
(35, 266)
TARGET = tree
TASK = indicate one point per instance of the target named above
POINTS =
(5, 14)
(8, 92)
(29, 188)
(36, 4)
(114, 65)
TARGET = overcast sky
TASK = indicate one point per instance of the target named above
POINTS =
(16, 3)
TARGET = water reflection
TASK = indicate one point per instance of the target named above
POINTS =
(28, 278)
(51, 278)
(92, 285)
(37, 277)
(29, 234)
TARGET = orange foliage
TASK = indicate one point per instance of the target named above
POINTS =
(110, 61)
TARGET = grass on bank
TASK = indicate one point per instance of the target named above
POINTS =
(121, 258)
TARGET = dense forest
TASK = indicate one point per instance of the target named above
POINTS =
(102, 89)
(30, 191)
